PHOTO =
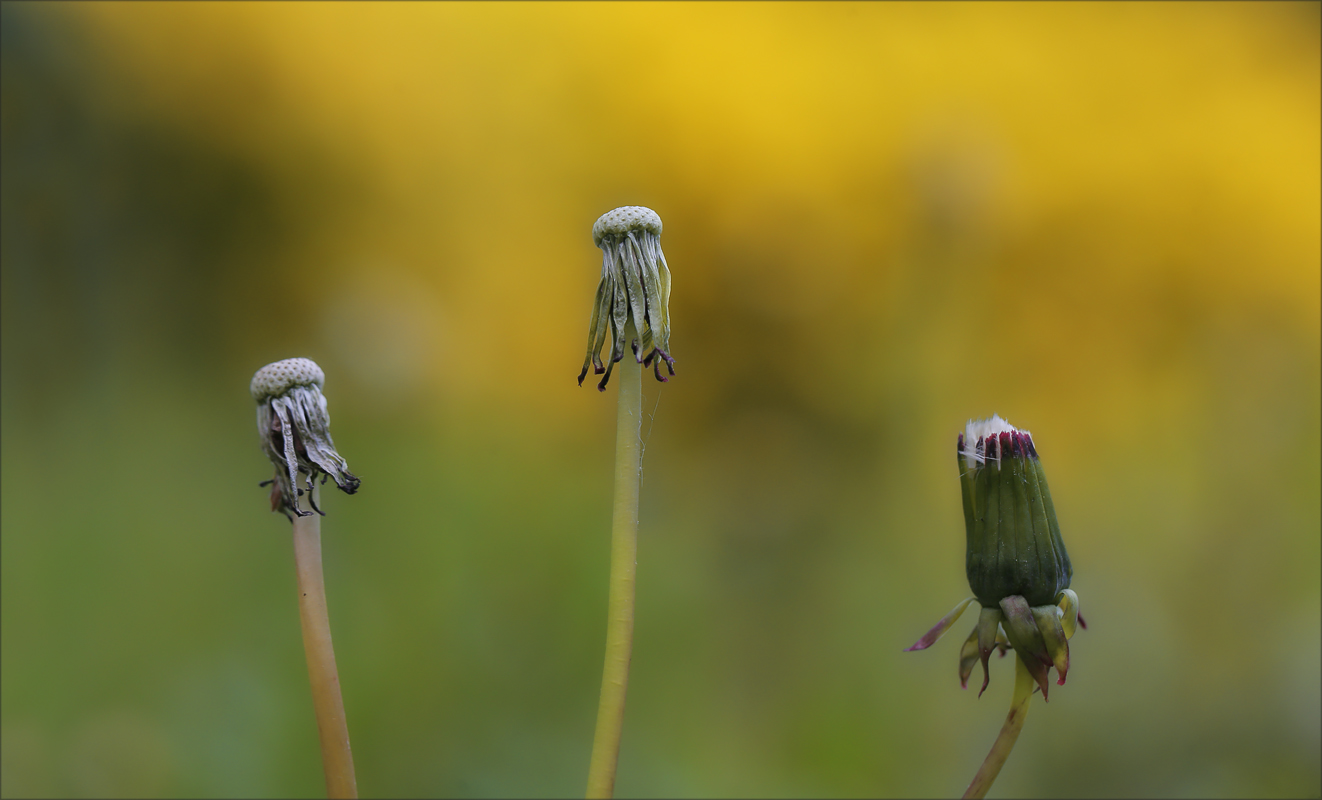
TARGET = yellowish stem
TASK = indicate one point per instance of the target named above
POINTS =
(336, 758)
(624, 565)
(1014, 722)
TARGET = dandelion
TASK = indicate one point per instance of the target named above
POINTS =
(633, 296)
(1018, 570)
(295, 431)
(634, 293)
(295, 434)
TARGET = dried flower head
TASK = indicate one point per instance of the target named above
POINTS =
(634, 290)
(295, 431)
(1015, 560)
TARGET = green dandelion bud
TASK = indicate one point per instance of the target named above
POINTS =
(295, 431)
(634, 293)
(1016, 563)
(1014, 545)
(1019, 573)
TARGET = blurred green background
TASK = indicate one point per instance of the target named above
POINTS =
(1101, 222)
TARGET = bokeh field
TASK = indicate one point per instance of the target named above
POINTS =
(1099, 221)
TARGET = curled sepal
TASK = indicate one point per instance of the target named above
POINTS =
(989, 622)
(970, 653)
(968, 656)
(941, 627)
(598, 326)
(1068, 602)
(1021, 628)
(1053, 635)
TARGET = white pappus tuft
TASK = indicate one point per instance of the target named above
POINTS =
(981, 440)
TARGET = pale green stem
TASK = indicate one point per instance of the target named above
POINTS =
(336, 758)
(624, 564)
(1014, 722)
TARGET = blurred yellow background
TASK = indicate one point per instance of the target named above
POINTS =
(1099, 221)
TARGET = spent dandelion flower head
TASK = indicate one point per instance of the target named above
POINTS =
(295, 432)
(634, 293)
(1015, 560)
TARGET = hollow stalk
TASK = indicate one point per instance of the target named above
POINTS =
(336, 757)
(1014, 722)
(624, 565)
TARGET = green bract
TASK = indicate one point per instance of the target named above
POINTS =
(1014, 545)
